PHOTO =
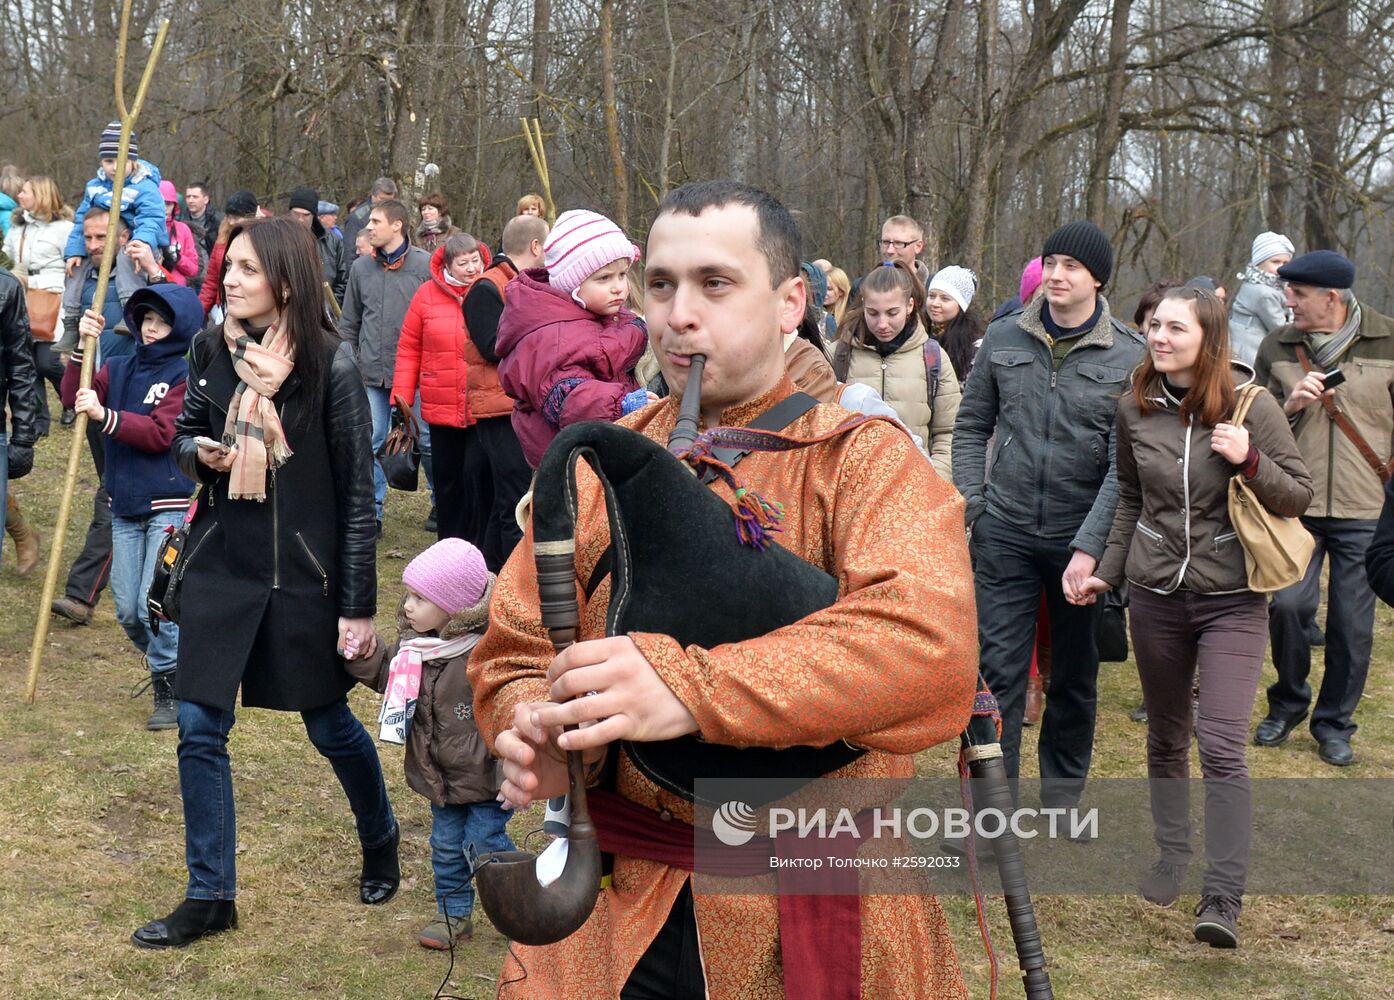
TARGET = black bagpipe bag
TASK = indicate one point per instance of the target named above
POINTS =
(679, 569)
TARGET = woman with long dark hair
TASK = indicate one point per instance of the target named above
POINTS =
(951, 320)
(1193, 611)
(280, 568)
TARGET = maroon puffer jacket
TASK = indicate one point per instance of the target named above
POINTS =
(560, 362)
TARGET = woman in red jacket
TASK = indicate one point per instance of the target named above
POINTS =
(241, 206)
(431, 358)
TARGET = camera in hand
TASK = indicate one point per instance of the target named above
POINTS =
(1334, 378)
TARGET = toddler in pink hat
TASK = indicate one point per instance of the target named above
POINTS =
(444, 613)
(567, 343)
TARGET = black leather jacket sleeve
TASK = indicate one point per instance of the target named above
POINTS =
(1379, 557)
(331, 250)
(340, 270)
(349, 429)
(18, 379)
(194, 419)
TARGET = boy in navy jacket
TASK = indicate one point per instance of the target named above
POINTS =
(135, 399)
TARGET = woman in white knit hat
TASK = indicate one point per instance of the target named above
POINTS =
(951, 321)
(1258, 307)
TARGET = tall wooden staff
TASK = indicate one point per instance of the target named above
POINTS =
(532, 135)
(334, 308)
(128, 117)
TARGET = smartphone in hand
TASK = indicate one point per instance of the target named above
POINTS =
(1334, 378)
(208, 442)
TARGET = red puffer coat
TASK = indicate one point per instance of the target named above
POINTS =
(431, 350)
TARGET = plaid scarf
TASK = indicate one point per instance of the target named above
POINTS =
(252, 422)
(1328, 347)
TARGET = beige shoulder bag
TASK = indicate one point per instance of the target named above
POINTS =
(1276, 549)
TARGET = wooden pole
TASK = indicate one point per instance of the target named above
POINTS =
(128, 117)
(334, 309)
(532, 135)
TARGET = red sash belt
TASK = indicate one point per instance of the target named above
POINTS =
(820, 935)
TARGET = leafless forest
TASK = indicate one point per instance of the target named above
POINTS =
(1182, 126)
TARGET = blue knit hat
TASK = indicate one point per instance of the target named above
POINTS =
(110, 143)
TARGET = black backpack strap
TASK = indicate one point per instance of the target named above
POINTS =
(603, 567)
(776, 418)
(933, 363)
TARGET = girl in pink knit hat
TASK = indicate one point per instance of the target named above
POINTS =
(567, 343)
(444, 612)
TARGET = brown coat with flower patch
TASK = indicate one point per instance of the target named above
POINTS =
(446, 760)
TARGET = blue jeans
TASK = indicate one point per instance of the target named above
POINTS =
(455, 832)
(205, 784)
(380, 403)
(135, 541)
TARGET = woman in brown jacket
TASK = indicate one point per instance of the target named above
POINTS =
(1192, 609)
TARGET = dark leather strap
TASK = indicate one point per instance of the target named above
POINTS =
(1333, 410)
(776, 418)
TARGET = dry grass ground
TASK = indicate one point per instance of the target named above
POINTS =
(91, 845)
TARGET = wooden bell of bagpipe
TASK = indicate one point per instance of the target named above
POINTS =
(680, 568)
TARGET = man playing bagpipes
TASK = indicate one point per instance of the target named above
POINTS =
(890, 666)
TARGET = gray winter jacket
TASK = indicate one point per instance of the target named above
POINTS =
(375, 305)
(1258, 310)
(1053, 458)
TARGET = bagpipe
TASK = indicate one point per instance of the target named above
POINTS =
(683, 569)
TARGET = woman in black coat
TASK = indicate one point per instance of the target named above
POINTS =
(281, 559)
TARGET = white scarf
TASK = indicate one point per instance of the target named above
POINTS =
(414, 652)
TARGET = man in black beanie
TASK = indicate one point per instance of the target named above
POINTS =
(1046, 382)
(1332, 368)
(304, 208)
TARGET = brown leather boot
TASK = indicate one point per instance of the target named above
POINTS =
(26, 538)
(1036, 686)
(1035, 700)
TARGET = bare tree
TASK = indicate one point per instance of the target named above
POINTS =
(1182, 126)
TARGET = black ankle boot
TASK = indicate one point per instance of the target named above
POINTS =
(381, 872)
(191, 920)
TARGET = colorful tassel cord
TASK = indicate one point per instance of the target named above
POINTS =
(757, 519)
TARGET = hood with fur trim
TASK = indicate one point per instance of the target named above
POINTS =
(472, 619)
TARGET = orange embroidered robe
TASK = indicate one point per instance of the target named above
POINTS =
(891, 666)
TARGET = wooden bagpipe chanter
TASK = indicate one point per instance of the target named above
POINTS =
(681, 567)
